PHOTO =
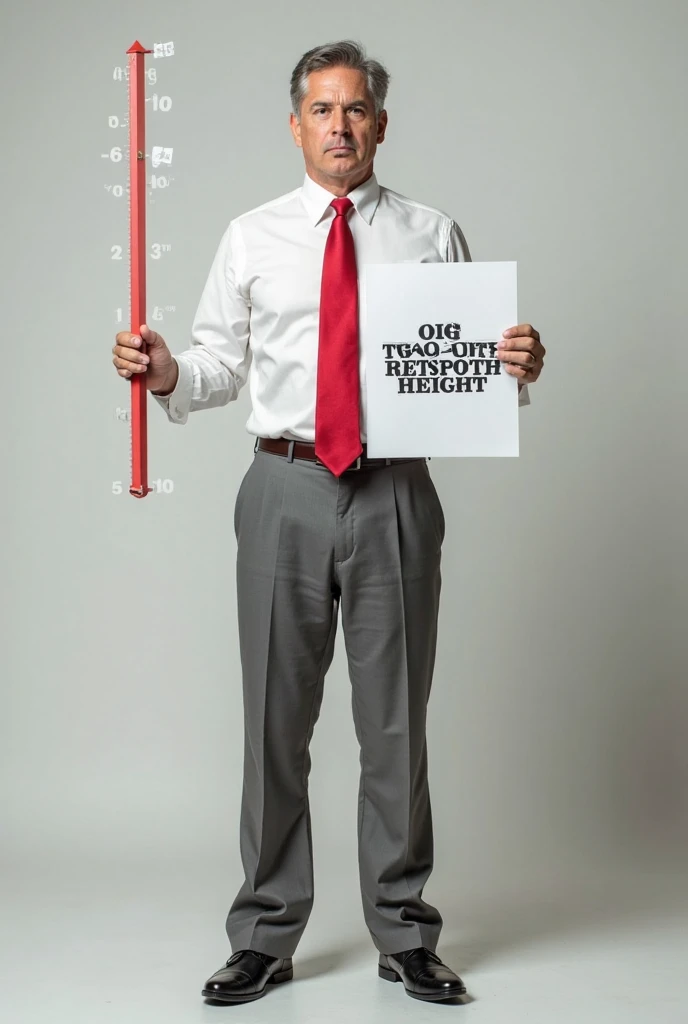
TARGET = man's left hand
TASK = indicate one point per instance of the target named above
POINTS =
(522, 353)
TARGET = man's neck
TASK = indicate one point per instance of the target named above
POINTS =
(338, 186)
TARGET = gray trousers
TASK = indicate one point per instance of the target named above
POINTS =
(306, 543)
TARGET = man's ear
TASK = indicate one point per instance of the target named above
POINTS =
(295, 126)
(382, 126)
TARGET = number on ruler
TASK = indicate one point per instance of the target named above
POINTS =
(158, 311)
(160, 486)
(122, 74)
(161, 103)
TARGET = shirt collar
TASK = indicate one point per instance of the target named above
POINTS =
(316, 199)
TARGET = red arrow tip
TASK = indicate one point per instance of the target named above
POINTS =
(137, 48)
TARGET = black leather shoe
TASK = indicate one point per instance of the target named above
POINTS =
(422, 972)
(246, 975)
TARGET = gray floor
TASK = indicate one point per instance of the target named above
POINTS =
(135, 944)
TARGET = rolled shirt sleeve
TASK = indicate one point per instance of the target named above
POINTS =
(215, 368)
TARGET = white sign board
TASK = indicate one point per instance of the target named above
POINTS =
(434, 382)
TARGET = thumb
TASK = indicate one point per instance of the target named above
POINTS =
(149, 336)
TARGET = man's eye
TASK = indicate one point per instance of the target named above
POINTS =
(319, 110)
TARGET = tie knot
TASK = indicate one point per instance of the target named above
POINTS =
(341, 205)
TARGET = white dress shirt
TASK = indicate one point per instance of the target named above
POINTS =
(259, 308)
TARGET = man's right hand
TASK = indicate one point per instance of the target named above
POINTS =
(158, 364)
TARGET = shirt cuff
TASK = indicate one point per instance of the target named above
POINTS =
(178, 403)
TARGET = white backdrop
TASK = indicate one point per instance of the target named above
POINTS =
(555, 135)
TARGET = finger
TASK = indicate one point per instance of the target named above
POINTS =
(518, 371)
(129, 371)
(126, 339)
(149, 336)
(522, 358)
(137, 365)
(525, 374)
(519, 342)
(521, 331)
(130, 354)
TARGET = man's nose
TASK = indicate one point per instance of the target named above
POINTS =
(341, 123)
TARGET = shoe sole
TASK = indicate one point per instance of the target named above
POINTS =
(274, 979)
(390, 975)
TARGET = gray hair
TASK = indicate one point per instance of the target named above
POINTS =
(346, 53)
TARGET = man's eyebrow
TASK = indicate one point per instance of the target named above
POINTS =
(325, 103)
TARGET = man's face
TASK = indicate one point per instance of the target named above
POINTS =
(338, 130)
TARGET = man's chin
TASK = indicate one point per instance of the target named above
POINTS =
(345, 162)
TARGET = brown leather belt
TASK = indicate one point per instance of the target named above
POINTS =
(306, 450)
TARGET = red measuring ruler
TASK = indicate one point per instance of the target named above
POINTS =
(137, 262)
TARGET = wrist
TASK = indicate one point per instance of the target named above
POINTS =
(170, 382)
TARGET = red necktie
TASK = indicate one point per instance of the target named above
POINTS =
(337, 430)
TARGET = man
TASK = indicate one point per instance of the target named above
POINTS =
(317, 522)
